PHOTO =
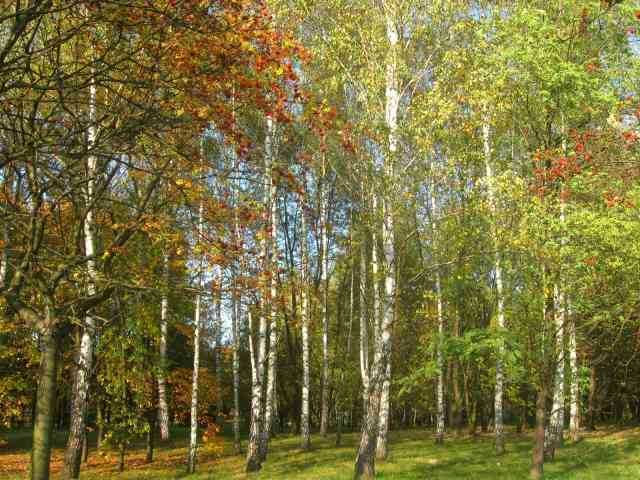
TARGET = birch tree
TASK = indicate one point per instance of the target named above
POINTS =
(365, 459)
(324, 280)
(499, 387)
(193, 432)
(304, 419)
(85, 353)
(163, 407)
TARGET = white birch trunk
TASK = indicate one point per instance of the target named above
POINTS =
(193, 434)
(4, 257)
(574, 404)
(254, 463)
(218, 345)
(364, 331)
(375, 268)
(383, 427)
(306, 379)
(236, 300)
(84, 356)
(270, 186)
(324, 407)
(163, 407)
(440, 407)
(556, 419)
(365, 460)
(499, 388)
(236, 315)
(440, 362)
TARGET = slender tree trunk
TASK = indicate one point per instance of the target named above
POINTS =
(574, 409)
(121, 457)
(440, 360)
(364, 332)
(6, 237)
(365, 460)
(556, 421)
(150, 439)
(217, 355)
(258, 356)
(85, 447)
(375, 271)
(440, 407)
(591, 401)
(499, 389)
(306, 380)
(383, 427)
(100, 423)
(538, 449)
(236, 315)
(45, 404)
(84, 358)
(193, 435)
(163, 407)
(254, 462)
(270, 399)
(324, 214)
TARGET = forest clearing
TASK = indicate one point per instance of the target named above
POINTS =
(610, 453)
(320, 239)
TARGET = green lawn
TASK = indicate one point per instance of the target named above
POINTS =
(607, 454)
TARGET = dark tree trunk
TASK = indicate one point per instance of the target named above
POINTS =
(100, 422)
(85, 448)
(591, 403)
(45, 406)
(123, 451)
(339, 421)
(482, 412)
(150, 441)
(538, 446)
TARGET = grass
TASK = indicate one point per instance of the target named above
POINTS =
(607, 454)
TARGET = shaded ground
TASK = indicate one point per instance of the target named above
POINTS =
(607, 454)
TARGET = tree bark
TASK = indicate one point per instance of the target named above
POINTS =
(45, 404)
(193, 434)
(236, 315)
(150, 439)
(100, 423)
(121, 457)
(163, 407)
(218, 348)
(499, 388)
(258, 356)
(254, 462)
(538, 450)
(365, 460)
(84, 357)
(306, 380)
(324, 214)
(440, 407)
(270, 400)
(591, 401)
(364, 331)
(383, 427)
(556, 421)
(85, 447)
(574, 388)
